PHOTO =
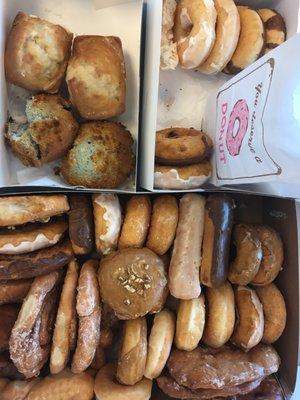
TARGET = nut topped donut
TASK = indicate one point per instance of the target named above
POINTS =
(181, 146)
(133, 282)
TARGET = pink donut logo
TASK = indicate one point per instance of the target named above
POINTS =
(234, 137)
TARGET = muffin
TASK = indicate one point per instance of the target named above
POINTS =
(101, 157)
(48, 134)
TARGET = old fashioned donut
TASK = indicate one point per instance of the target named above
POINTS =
(160, 343)
(136, 222)
(133, 352)
(107, 388)
(108, 220)
(194, 31)
(181, 146)
(163, 224)
(274, 312)
(227, 36)
(183, 178)
(248, 255)
(220, 315)
(249, 328)
(251, 42)
(234, 139)
(275, 28)
(190, 323)
(272, 259)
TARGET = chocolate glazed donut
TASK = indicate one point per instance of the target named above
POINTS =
(216, 240)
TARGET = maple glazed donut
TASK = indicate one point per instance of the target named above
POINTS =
(194, 31)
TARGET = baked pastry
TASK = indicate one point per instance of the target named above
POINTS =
(101, 156)
(18, 210)
(37, 263)
(274, 312)
(45, 113)
(194, 31)
(274, 26)
(133, 282)
(272, 258)
(220, 315)
(216, 239)
(8, 316)
(81, 227)
(227, 36)
(268, 389)
(65, 385)
(168, 47)
(136, 222)
(31, 238)
(36, 53)
(182, 178)
(249, 328)
(248, 255)
(61, 341)
(88, 308)
(18, 390)
(182, 146)
(163, 224)
(186, 255)
(251, 42)
(48, 313)
(190, 323)
(160, 343)
(14, 291)
(108, 220)
(133, 352)
(107, 388)
(96, 76)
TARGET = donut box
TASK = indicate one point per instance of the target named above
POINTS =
(92, 17)
(244, 114)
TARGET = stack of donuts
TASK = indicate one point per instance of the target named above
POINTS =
(216, 35)
(148, 293)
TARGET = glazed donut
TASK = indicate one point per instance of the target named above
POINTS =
(275, 28)
(107, 388)
(248, 255)
(163, 224)
(194, 31)
(190, 323)
(160, 343)
(183, 178)
(186, 256)
(234, 140)
(272, 257)
(108, 220)
(136, 222)
(251, 42)
(220, 315)
(181, 146)
(227, 36)
(249, 328)
(14, 291)
(216, 239)
(274, 312)
(133, 352)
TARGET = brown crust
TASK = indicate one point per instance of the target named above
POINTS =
(18, 390)
(14, 291)
(272, 23)
(8, 316)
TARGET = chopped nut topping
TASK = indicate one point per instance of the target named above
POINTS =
(127, 302)
(134, 280)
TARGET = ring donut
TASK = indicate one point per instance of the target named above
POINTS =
(275, 28)
(234, 140)
(194, 31)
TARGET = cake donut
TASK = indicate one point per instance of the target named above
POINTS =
(108, 220)
(186, 256)
(272, 256)
(190, 323)
(216, 239)
(136, 222)
(220, 315)
(227, 36)
(234, 140)
(248, 255)
(275, 28)
(163, 224)
(183, 178)
(181, 146)
(251, 42)
(194, 31)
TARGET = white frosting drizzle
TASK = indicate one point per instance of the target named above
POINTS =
(172, 180)
(28, 246)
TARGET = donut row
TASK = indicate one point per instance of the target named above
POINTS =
(214, 36)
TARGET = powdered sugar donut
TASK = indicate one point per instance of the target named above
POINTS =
(239, 113)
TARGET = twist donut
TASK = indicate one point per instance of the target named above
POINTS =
(239, 113)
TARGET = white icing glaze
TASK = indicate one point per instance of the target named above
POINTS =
(28, 246)
(171, 180)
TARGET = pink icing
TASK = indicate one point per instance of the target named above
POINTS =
(240, 113)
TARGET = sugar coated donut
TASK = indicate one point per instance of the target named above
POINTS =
(234, 139)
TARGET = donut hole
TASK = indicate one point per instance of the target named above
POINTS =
(236, 127)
